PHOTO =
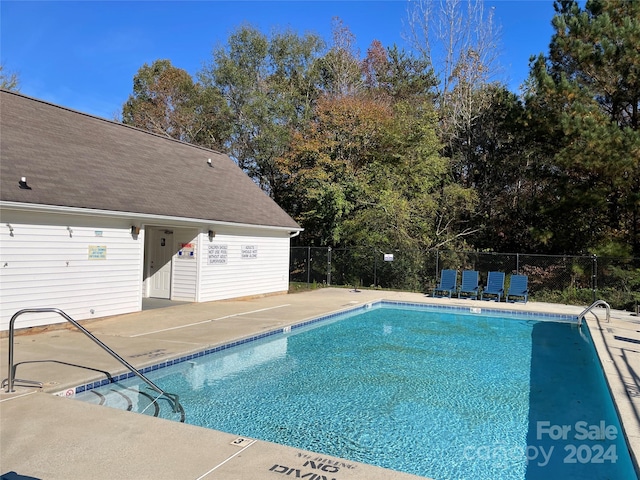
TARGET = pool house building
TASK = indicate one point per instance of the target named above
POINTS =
(96, 215)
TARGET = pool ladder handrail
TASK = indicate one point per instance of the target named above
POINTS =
(593, 305)
(10, 380)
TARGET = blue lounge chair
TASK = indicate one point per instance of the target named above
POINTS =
(448, 283)
(518, 288)
(495, 286)
(469, 287)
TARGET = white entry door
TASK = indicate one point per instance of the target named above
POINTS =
(160, 255)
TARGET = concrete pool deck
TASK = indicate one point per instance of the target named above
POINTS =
(45, 436)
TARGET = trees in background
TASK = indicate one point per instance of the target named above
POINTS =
(370, 173)
(166, 101)
(582, 103)
(340, 69)
(423, 149)
(270, 86)
(459, 39)
(499, 168)
(9, 80)
(367, 168)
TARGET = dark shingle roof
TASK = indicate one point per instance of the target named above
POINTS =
(75, 160)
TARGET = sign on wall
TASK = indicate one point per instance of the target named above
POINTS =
(249, 252)
(97, 252)
(217, 255)
(187, 250)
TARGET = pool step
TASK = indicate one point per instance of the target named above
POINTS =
(132, 399)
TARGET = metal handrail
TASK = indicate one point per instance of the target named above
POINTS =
(12, 368)
(590, 307)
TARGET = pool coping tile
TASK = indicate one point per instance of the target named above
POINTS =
(519, 315)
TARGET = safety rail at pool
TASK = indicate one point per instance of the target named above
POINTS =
(592, 306)
(10, 380)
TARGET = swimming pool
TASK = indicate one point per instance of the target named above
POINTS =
(441, 393)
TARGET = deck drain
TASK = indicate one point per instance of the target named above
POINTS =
(241, 442)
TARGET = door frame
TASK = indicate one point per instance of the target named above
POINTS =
(154, 234)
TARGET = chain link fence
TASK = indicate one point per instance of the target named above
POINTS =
(574, 280)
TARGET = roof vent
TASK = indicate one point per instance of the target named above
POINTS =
(23, 184)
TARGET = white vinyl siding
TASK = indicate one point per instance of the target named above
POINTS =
(45, 262)
(185, 269)
(267, 273)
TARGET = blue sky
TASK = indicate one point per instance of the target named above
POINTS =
(84, 55)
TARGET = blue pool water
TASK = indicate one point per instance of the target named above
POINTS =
(443, 395)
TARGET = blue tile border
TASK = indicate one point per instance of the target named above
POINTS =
(498, 312)
(342, 313)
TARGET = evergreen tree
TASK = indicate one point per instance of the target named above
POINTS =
(583, 102)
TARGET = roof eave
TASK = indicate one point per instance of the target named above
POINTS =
(139, 217)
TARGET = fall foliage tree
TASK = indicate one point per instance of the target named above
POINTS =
(369, 173)
(166, 101)
(421, 149)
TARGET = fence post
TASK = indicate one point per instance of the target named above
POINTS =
(437, 261)
(375, 267)
(308, 265)
(594, 275)
(517, 263)
(329, 267)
